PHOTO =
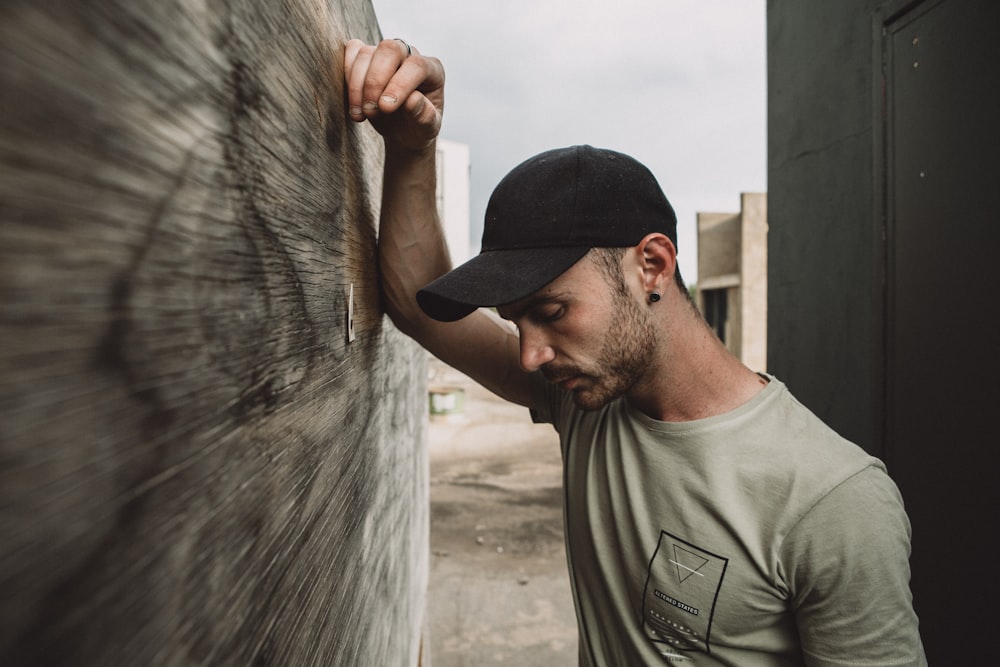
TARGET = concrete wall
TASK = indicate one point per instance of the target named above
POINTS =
(203, 460)
(718, 249)
(453, 198)
(753, 280)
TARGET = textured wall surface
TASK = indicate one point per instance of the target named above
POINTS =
(822, 233)
(196, 465)
(882, 178)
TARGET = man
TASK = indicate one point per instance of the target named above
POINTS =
(710, 518)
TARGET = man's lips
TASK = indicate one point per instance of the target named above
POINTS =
(565, 380)
(569, 383)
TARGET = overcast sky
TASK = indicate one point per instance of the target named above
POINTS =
(678, 84)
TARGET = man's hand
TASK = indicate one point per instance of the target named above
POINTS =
(400, 91)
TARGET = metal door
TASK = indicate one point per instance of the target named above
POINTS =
(939, 124)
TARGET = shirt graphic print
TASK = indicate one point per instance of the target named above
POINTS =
(682, 587)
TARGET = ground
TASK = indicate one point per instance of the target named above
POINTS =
(499, 590)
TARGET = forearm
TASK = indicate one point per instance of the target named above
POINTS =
(411, 247)
(412, 253)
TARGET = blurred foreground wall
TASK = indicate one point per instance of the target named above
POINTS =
(198, 465)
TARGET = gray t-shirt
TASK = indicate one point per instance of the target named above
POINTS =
(754, 538)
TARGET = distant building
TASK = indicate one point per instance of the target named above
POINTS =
(453, 197)
(732, 277)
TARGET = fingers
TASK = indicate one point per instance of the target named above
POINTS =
(351, 50)
(398, 90)
(381, 79)
(405, 77)
(357, 56)
(422, 110)
(392, 75)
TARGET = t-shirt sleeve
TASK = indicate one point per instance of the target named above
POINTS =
(847, 565)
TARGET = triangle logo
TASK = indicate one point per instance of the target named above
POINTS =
(687, 564)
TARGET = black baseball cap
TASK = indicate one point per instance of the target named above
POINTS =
(543, 217)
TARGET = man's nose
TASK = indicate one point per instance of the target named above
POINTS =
(535, 350)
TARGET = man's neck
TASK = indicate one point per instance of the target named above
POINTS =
(694, 376)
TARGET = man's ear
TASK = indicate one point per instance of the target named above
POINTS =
(659, 261)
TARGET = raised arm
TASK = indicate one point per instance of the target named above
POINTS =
(401, 92)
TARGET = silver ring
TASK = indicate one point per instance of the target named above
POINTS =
(409, 51)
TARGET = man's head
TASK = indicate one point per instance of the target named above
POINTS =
(543, 217)
(589, 331)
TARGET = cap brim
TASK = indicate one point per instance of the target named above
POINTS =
(494, 278)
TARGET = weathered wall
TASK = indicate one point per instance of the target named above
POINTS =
(196, 466)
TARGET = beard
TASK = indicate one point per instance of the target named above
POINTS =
(625, 355)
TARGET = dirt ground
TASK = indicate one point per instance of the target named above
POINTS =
(499, 590)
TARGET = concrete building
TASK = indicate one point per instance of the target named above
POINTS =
(732, 277)
(453, 197)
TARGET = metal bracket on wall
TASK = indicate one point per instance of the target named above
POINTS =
(350, 314)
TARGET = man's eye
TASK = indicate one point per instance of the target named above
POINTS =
(550, 314)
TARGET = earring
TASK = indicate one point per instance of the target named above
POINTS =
(654, 297)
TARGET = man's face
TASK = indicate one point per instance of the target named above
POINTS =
(585, 334)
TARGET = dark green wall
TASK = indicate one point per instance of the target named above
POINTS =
(821, 307)
(883, 137)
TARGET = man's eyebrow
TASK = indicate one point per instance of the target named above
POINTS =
(533, 301)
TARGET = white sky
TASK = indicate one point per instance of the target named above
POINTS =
(678, 84)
